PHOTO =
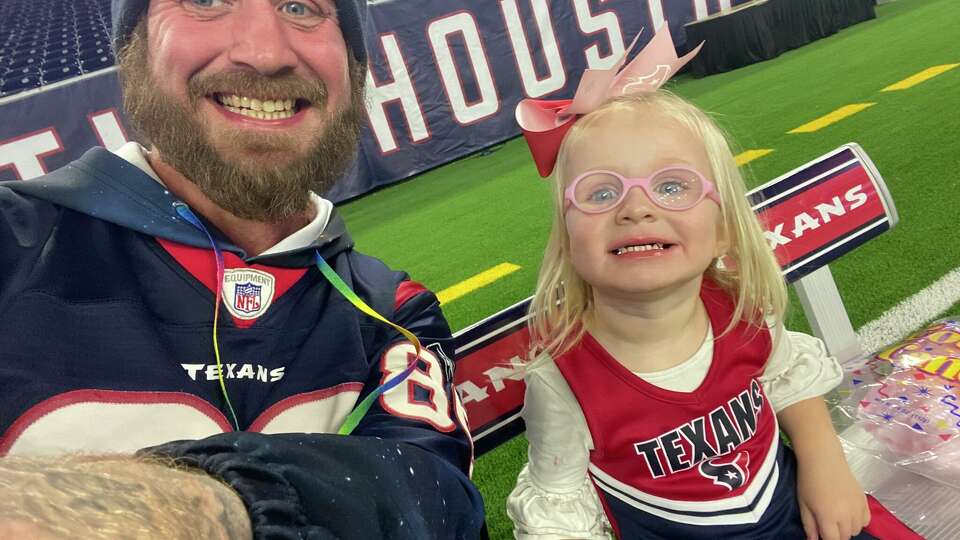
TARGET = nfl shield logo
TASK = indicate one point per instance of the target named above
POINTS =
(247, 297)
(247, 293)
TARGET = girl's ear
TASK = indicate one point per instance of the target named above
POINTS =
(723, 239)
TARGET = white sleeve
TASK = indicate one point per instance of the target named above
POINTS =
(799, 368)
(554, 497)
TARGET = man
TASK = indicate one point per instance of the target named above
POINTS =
(171, 293)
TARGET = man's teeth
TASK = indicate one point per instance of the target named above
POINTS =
(266, 109)
(632, 249)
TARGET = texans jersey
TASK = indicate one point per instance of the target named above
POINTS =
(107, 300)
(701, 464)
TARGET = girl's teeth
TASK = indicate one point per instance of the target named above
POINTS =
(633, 249)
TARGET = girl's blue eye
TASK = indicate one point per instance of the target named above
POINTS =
(603, 195)
(671, 187)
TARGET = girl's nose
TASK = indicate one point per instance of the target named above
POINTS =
(636, 207)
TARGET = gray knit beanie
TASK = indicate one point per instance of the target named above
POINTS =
(351, 14)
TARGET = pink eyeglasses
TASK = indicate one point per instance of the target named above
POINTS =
(670, 188)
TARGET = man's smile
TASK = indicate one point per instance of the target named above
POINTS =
(260, 109)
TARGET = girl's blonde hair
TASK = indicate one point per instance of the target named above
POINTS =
(749, 273)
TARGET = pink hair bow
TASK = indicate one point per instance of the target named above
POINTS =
(545, 122)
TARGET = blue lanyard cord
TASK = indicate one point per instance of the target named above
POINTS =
(184, 211)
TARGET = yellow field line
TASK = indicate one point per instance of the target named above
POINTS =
(749, 155)
(918, 78)
(480, 280)
(832, 118)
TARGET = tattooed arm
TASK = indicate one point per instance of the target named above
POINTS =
(115, 497)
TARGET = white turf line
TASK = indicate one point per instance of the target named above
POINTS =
(911, 313)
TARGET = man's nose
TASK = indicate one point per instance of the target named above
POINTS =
(260, 39)
(636, 206)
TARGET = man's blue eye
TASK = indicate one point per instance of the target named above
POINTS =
(206, 3)
(295, 8)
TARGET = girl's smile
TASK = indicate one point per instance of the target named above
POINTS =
(641, 247)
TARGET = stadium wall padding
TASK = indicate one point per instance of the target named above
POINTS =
(443, 82)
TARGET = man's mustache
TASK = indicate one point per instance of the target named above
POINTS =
(302, 91)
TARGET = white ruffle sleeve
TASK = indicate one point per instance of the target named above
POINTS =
(799, 368)
(554, 498)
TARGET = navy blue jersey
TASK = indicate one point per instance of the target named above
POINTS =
(106, 304)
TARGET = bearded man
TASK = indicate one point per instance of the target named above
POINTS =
(192, 296)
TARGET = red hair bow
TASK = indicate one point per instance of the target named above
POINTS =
(545, 122)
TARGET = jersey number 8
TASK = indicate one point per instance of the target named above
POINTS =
(422, 396)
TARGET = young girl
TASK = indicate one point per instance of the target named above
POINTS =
(663, 373)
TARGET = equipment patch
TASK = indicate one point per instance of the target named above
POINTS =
(247, 293)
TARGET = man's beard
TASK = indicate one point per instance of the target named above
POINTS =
(253, 189)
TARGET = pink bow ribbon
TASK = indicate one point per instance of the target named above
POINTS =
(545, 122)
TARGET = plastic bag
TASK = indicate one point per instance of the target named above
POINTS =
(898, 416)
(908, 398)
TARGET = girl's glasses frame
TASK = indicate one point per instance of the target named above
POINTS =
(646, 183)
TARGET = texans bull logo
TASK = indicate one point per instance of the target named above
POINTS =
(729, 472)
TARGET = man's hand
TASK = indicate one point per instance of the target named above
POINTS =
(114, 497)
(23, 530)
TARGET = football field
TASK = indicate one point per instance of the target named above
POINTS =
(474, 230)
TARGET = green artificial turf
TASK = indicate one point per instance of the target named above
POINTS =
(451, 223)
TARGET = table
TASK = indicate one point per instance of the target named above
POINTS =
(764, 29)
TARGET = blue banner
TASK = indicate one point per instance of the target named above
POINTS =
(443, 82)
